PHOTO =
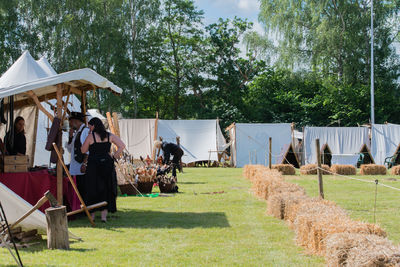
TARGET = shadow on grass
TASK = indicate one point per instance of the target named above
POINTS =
(42, 245)
(191, 183)
(160, 219)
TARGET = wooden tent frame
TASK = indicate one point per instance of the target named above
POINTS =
(30, 98)
(285, 159)
(326, 147)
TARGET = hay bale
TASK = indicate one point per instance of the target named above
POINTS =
(373, 169)
(292, 203)
(285, 169)
(324, 227)
(344, 169)
(265, 181)
(395, 170)
(375, 252)
(276, 206)
(342, 245)
(308, 212)
(278, 203)
(311, 169)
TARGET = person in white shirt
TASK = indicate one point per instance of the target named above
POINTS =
(77, 136)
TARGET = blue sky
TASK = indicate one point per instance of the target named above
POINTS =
(215, 9)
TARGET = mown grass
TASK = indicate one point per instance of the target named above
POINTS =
(358, 198)
(189, 229)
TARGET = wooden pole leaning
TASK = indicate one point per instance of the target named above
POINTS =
(319, 171)
(73, 185)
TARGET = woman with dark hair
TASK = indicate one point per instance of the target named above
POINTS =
(17, 146)
(101, 181)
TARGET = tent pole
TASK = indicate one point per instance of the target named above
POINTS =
(83, 104)
(34, 137)
(60, 88)
(155, 138)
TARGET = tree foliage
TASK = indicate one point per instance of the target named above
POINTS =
(167, 61)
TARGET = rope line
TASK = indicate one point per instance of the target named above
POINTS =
(358, 179)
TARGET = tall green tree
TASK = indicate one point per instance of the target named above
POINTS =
(334, 36)
(183, 32)
(10, 33)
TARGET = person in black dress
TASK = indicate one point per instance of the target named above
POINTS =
(101, 181)
(17, 146)
(168, 150)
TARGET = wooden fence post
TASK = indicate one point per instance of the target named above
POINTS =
(319, 171)
(270, 153)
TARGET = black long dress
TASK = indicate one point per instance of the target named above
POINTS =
(101, 181)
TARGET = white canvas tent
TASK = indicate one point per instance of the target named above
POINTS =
(251, 143)
(24, 70)
(14, 207)
(30, 83)
(138, 136)
(385, 141)
(201, 140)
(344, 143)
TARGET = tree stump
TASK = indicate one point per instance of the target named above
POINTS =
(57, 228)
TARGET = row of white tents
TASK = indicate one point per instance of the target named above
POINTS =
(343, 145)
(202, 140)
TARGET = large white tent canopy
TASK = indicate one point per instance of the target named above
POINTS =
(385, 140)
(252, 142)
(24, 71)
(200, 140)
(345, 143)
(138, 136)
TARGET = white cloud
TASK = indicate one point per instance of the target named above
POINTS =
(257, 27)
(248, 5)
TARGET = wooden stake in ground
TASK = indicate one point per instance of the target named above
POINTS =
(57, 228)
(270, 153)
(73, 185)
(319, 171)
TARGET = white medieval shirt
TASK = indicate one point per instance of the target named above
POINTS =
(75, 167)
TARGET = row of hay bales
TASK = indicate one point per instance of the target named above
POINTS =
(322, 227)
(311, 169)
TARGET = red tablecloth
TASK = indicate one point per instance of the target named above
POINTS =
(31, 186)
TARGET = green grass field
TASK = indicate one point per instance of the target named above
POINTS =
(193, 228)
(358, 198)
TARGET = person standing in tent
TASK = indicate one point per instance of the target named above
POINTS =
(168, 150)
(77, 135)
(101, 180)
(17, 146)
